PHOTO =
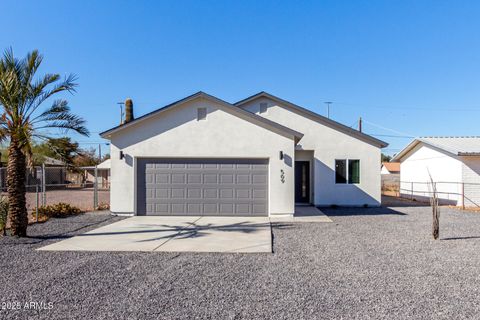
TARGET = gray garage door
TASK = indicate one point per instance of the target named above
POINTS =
(215, 187)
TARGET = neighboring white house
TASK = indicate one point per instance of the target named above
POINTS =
(452, 162)
(260, 156)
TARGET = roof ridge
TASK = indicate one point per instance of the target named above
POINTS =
(449, 137)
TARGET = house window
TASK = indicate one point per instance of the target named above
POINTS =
(347, 168)
(201, 114)
(263, 107)
(353, 171)
(340, 171)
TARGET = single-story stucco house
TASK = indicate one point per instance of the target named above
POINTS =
(452, 162)
(260, 156)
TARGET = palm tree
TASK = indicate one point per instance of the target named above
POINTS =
(22, 122)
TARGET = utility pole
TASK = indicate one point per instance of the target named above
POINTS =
(328, 103)
(360, 124)
(100, 151)
(121, 111)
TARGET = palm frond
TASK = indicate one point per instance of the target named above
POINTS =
(22, 94)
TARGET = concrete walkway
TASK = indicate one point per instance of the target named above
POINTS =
(303, 214)
(175, 234)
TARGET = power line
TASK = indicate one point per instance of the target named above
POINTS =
(395, 108)
(389, 135)
(388, 129)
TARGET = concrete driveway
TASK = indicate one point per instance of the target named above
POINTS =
(175, 234)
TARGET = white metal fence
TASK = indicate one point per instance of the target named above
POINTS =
(87, 188)
(450, 193)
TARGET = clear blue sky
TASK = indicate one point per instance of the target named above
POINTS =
(409, 66)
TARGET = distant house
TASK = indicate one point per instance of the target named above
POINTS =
(103, 174)
(390, 168)
(452, 162)
(55, 174)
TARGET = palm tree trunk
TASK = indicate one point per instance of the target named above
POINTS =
(16, 170)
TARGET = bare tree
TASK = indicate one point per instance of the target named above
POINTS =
(435, 209)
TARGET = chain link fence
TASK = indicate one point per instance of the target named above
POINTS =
(87, 188)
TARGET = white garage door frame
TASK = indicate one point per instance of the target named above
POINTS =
(139, 161)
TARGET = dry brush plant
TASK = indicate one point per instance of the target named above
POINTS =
(434, 203)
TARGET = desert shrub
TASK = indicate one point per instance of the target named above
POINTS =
(56, 210)
(3, 214)
(103, 206)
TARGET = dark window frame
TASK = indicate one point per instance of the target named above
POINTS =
(345, 171)
(340, 171)
(353, 177)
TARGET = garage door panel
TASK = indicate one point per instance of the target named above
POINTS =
(194, 193)
(194, 209)
(159, 193)
(243, 178)
(202, 187)
(161, 207)
(226, 178)
(226, 193)
(194, 178)
(210, 178)
(210, 208)
(243, 208)
(226, 208)
(178, 193)
(258, 208)
(259, 194)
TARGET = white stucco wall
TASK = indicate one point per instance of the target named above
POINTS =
(445, 169)
(329, 144)
(471, 178)
(384, 170)
(177, 133)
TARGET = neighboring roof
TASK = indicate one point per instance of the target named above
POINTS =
(101, 166)
(48, 161)
(268, 124)
(104, 165)
(315, 116)
(392, 166)
(459, 146)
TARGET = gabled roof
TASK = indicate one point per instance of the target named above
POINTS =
(316, 117)
(268, 124)
(458, 146)
(392, 166)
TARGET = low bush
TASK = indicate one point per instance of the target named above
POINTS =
(57, 210)
(103, 206)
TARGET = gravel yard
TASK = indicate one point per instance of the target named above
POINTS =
(376, 263)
